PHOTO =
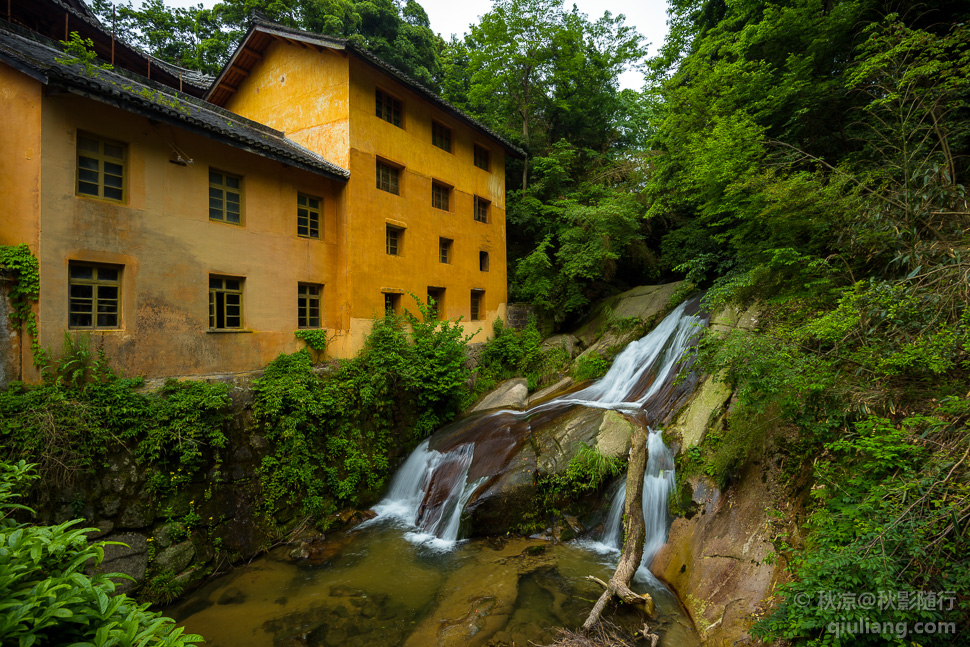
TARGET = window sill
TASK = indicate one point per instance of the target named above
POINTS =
(220, 331)
(85, 329)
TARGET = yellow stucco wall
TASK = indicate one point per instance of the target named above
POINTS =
(20, 142)
(326, 101)
(168, 247)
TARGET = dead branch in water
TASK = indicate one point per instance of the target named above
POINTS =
(634, 532)
(604, 634)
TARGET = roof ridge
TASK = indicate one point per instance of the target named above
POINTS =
(175, 105)
(260, 20)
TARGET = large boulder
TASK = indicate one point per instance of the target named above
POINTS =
(510, 394)
(128, 557)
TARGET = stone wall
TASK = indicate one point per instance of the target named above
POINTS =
(9, 337)
(518, 314)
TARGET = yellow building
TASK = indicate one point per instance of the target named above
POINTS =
(186, 239)
(424, 209)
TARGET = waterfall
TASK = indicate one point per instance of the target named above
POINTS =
(429, 492)
(658, 480)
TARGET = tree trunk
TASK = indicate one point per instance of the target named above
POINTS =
(634, 533)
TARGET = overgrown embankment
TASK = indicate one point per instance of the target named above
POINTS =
(198, 474)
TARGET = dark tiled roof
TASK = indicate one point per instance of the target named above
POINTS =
(80, 10)
(332, 42)
(44, 62)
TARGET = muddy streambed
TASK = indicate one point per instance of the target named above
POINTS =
(376, 588)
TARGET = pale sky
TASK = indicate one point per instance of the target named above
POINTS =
(450, 17)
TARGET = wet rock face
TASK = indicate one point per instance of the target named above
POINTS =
(720, 561)
(130, 559)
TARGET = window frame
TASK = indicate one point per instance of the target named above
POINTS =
(313, 217)
(444, 249)
(441, 136)
(393, 176)
(304, 320)
(476, 305)
(225, 291)
(440, 195)
(398, 238)
(437, 310)
(226, 190)
(389, 108)
(482, 261)
(394, 299)
(96, 299)
(100, 159)
(482, 157)
(481, 206)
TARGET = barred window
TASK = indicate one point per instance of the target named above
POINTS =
(94, 296)
(307, 216)
(225, 192)
(101, 168)
(392, 303)
(444, 250)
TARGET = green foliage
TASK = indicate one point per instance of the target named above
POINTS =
(334, 435)
(315, 338)
(890, 515)
(511, 353)
(84, 413)
(80, 51)
(589, 367)
(587, 472)
(202, 38)
(45, 595)
(20, 262)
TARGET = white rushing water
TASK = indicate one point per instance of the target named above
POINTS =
(659, 479)
(442, 478)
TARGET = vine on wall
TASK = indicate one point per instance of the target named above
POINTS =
(20, 262)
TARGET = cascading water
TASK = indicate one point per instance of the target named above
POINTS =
(659, 479)
(431, 489)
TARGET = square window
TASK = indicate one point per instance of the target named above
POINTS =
(436, 302)
(308, 216)
(94, 296)
(392, 303)
(481, 157)
(101, 165)
(440, 196)
(483, 261)
(481, 209)
(444, 250)
(395, 241)
(441, 136)
(225, 196)
(388, 178)
(478, 299)
(308, 305)
(388, 108)
(225, 303)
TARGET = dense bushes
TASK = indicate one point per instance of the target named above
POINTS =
(334, 435)
(512, 353)
(47, 599)
(84, 412)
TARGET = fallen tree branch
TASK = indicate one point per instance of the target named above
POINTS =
(634, 532)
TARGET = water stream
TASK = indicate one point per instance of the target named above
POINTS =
(404, 578)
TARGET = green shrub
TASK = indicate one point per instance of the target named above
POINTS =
(334, 436)
(45, 595)
(590, 367)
